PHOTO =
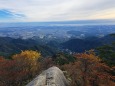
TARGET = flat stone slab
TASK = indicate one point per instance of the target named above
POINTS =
(50, 77)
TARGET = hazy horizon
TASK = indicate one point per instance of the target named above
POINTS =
(58, 23)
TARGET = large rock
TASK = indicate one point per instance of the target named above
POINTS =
(51, 77)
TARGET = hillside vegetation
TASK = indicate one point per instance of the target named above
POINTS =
(85, 69)
(28, 59)
(10, 46)
(21, 68)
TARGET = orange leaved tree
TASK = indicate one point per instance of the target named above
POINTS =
(20, 69)
(88, 70)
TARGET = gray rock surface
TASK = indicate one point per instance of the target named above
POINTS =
(50, 77)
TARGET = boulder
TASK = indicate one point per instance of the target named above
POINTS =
(50, 77)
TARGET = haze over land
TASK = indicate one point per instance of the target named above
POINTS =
(77, 36)
(55, 22)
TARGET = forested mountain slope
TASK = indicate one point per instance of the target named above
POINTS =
(80, 45)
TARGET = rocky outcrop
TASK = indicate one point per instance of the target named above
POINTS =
(51, 77)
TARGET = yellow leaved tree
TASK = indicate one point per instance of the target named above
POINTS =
(28, 61)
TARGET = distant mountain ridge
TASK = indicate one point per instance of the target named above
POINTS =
(10, 46)
(80, 45)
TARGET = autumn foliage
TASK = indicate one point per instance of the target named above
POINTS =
(28, 60)
(83, 69)
(88, 70)
(23, 67)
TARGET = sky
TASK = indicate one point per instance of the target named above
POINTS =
(55, 10)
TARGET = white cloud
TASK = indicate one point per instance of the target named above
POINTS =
(54, 10)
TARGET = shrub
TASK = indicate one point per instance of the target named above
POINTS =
(20, 69)
(88, 70)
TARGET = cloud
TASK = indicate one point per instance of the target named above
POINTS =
(6, 15)
(59, 10)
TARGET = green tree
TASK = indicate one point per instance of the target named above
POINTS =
(107, 53)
